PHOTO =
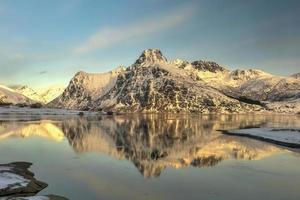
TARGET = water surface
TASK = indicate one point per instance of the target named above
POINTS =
(153, 156)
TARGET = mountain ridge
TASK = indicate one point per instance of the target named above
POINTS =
(154, 84)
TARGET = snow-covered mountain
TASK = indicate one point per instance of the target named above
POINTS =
(42, 95)
(85, 88)
(9, 96)
(153, 84)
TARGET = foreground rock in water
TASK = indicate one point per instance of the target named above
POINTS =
(17, 182)
(15, 178)
(284, 137)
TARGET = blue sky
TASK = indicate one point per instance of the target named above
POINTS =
(47, 42)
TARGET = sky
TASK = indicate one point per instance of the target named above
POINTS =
(46, 42)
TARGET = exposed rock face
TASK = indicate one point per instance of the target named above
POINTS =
(85, 88)
(151, 56)
(207, 66)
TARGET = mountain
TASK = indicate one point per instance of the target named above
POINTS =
(85, 88)
(154, 84)
(42, 95)
(275, 93)
(9, 96)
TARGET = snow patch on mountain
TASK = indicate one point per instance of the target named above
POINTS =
(85, 88)
(43, 95)
(10, 96)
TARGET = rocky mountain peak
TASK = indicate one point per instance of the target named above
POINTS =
(80, 73)
(151, 56)
(207, 66)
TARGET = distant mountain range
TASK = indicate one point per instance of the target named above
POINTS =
(154, 84)
(9, 96)
(24, 95)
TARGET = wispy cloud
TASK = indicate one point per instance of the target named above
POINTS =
(43, 72)
(109, 36)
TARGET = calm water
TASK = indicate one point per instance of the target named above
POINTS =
(153, 157)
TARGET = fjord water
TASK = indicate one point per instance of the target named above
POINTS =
(153, 156)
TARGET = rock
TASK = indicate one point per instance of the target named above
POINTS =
(81, 113)
(16, 179)
(151, 56)
(207, 66)
(18, 183)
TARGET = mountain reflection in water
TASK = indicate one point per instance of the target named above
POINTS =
(154, 142)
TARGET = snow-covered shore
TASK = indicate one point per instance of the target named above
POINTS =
(18, 183)
(280, 136)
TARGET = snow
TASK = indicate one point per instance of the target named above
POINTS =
(281, 136)
(84, 88)
(43, 95)
(11, 180)
(8, 95)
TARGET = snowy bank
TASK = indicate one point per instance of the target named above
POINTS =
(18, 183)
(281, 136)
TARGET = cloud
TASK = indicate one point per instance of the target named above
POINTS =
(109, 36)
(43, 72)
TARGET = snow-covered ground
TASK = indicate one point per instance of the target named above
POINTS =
(281, 136)
(8, 179)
